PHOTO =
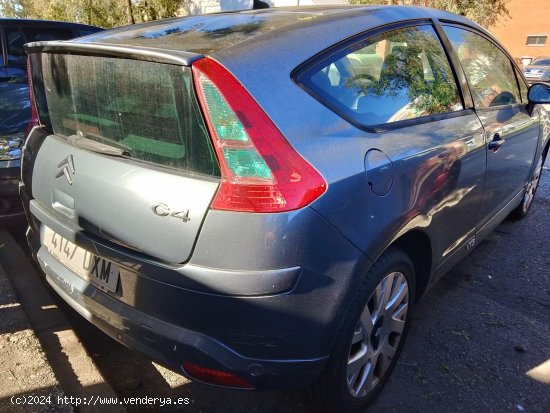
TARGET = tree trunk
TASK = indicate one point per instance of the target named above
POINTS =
(130, 12)
(89, 11)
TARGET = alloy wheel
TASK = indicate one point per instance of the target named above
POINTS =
(377, 335)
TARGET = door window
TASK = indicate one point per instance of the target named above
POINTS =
(398, 75)
(488, 70)
(523, 88)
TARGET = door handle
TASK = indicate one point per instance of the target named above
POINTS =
(496, 142)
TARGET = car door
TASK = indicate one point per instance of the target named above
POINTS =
(511, 133)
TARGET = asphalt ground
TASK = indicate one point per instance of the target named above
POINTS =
(25, 373)
(42, 362)
(479, 342)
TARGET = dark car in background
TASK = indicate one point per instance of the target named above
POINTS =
(257, 199)
(538, 70)
(15, 112)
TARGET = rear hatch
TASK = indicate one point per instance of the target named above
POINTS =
(128, 158)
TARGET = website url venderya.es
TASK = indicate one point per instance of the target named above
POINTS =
(100, 401)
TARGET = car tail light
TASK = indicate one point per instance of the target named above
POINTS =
(261, 172)
(34, 113)
(213, 376)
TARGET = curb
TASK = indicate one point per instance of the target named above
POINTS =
(75, 370)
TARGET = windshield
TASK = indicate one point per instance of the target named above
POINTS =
(541, 61)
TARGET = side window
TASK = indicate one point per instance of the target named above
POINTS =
(15, 42)
(398, 75)
(1, 52)
(488, 70)
(39, 34)
(523, 88)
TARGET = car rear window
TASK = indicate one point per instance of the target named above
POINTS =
(147, 109)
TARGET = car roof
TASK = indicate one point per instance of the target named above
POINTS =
(211, 33)
(53, 23)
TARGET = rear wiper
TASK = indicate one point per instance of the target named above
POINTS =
(112, 148)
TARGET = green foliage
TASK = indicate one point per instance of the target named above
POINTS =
(484, 12)
(157, 9)
(110, 13)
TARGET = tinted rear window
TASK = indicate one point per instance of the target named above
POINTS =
(148, 109)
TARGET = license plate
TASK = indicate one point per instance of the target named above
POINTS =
(98, 271)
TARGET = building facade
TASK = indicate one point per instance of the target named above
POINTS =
(526, 32)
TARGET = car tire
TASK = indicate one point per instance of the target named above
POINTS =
(530, 190)
(378, 349)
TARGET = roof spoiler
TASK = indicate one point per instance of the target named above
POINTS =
(150, 54)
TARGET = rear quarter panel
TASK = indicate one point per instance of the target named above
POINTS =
(337, 149)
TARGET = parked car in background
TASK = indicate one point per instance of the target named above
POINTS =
(15, 114)
(257, 199)
(538, 70)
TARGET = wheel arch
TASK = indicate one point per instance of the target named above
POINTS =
(417, 245)
(545, 150)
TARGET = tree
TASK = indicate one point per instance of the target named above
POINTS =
(110, 13)
(103, 13)
(157, 9)
(484, 12)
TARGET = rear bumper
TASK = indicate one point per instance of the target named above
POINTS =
(279, 339)
(168, 344)
(272, 302)
(11, 207)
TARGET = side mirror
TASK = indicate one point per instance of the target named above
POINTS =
(539, 93)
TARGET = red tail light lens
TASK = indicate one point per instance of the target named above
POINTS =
(34, 113)
(217, 377)
(261, 172)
